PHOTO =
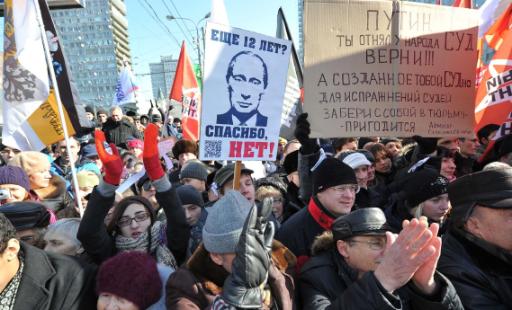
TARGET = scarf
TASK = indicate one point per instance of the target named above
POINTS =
(152, 239)
(8, 295)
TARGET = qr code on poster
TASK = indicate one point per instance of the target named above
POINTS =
(213, 149)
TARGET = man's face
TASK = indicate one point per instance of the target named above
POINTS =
(450, 143)
(60, 244)
(199, 185)
(89, 115)
(192, 213)
(246, 187)
(8, 153)
(469, 146)
(339, 199)
(102, 118)
(117, 115)
(74, 147)
(394, 148)
(362, 175)
(349, 146)
(246, 84)
(363, 253)
(492, 225)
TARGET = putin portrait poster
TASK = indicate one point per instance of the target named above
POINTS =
(244, 82)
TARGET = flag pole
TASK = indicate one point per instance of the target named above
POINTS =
(59, 102)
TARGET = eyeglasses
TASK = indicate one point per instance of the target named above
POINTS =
(277, 200)
(377, 244)
(126, 221)
(352, 188)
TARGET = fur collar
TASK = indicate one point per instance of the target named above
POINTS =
(213, 275)
(322, 243)
(56, 188)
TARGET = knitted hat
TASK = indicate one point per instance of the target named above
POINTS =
(135, 143)
(189, 195)
(224, 223)
(101, 111)
(184, 146)
(26, 214)
(87, 178)
(332, 172)
(14, 175)
(31, 161)
(89, 109)
(132, 276)
(356, 160)
(194, 170)
(227, 172)
(424, 184)
(89, 150)
(291, 162)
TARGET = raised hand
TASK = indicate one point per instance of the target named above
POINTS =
(403, 257)
(424, 276)
(150, 155)
(112, 163)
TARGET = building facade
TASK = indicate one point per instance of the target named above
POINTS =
(162, 76)
(95, 42)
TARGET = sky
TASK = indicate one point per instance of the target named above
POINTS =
(149, 39)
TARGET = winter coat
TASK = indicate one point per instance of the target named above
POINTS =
(119, 132)
(196, 285)
(300, 230)
(101, 245)
(464, 165)
(327, 282)
(481, 273)
(52, 282)
(55, 196)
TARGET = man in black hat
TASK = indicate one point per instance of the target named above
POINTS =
(361, 266)
(33, 279)
(477, 250)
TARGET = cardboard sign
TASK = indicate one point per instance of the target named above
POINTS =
(244, 81)
(389, 68)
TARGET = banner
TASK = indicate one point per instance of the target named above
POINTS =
(244, 81)
(389, 68)
(292, 105)
(185, 89)
(126, 87)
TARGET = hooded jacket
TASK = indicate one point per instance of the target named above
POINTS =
(481, 273)
(327, 282)
(196, 285)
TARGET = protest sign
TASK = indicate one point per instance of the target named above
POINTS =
(389, 68)
(244, 81)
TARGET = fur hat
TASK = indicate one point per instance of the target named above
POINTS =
(132, 276)
(31, 161)
(184, 146)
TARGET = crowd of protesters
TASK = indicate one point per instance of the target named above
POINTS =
(347, 223)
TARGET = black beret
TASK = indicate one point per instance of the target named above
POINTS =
(366, 221)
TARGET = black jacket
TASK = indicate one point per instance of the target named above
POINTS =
(119, 132)
(481, 273)
(327, 282)
(227, 119)
(100, 245)
(53, 281)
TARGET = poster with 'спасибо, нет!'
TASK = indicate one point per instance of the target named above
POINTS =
(244, 81)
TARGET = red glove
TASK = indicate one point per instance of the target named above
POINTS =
(112, 163)
(150, 155)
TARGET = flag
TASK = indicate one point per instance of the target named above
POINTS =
(292, 106)
(462, 4)
(218, 13)
(185, 89)
(126, 87)
(489, 13)
(493, 102)
(31, 119)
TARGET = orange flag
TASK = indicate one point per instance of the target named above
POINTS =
(462, 4)
(185, 89)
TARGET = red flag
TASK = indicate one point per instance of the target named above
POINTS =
(185, 89)
(462, 4)
(493, 102)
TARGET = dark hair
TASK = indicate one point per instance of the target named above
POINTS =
(176, 119)
(7, 232)
(378, 148)
(121, 207)
(340, 142)
(248, 53)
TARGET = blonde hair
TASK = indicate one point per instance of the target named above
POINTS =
(266, 191)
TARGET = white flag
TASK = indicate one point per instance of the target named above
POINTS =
(126, 87)
(25, 80)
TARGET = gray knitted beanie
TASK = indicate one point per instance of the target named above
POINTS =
(194, 170)
(225, 222)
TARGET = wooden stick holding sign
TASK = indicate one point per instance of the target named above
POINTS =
(236, 177)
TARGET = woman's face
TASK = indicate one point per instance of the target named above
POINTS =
(436, 208)
(40, 178)
(107, 301)
(382, 162)
(16, 192)
(134, 221)
(277, 206)
(448, 168)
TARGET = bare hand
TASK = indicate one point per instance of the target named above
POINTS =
(404, 256)
(424, 276)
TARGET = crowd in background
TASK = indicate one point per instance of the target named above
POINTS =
(345, 223)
